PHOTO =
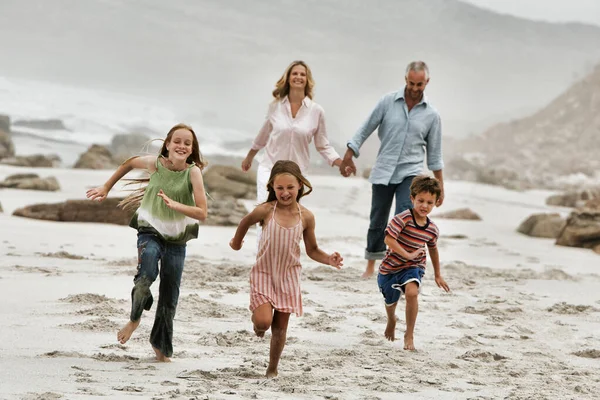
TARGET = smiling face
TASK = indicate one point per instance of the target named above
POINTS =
(297, 78)
(416, 81)
(423, 203)
(286, 188)
(180, 146)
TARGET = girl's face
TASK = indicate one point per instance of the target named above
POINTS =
(180, 145)
(298, 78)
(286, 188)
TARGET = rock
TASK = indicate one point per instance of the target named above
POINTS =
(96, 157)
(124, 146)
(222, 181)
(30, 182)
(7, 147)
(574, 198)
(543, 225)
(463, 213)
(225, 212)
(1, 210)
(582, 230)
(78, 211)
(35, 160)
(48, 124)
(593, 204)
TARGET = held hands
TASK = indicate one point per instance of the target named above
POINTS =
(336, 260)
(97, 194)
(246, 164)
(442, 283)
(235, 245)
(347, 167)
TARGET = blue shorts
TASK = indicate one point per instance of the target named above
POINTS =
(392, 285)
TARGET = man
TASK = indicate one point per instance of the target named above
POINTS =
(408, 126)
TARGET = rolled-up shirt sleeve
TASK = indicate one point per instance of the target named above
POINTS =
(261, 140)
(367, 128)
(434, 146)
(322, 142)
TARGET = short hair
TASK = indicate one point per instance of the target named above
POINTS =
(424, 183)
(417, 66)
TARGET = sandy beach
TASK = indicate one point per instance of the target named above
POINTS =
(522, 320)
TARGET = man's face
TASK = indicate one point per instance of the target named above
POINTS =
(415, 84)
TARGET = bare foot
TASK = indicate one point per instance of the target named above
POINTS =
(160, 357)
(390, 329)
(125, 333)
(271, 372)
(259, 333)
(370, 269)
(409, 343)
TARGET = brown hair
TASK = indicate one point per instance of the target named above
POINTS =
(424, 183)
(133, 200)
(287, 167)
(282, 87)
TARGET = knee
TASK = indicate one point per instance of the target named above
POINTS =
(262, 324)
(411, 292)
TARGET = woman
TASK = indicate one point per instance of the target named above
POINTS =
(293, 121)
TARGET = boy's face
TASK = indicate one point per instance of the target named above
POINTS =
(423, 203)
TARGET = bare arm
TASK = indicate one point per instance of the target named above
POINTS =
(440, 177)
(145, 162)
(254, 217)
(435, 260)
(396, 248)
(199, 211)
(312, 248)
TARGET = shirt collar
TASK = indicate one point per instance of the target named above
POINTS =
(306, 101)
(400, 95)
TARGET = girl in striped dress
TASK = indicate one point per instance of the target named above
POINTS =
(275, 278)
(171, 205)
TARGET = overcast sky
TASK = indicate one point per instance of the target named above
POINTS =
(547, 10)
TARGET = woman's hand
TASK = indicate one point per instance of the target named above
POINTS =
(246, 164)
(97, 194)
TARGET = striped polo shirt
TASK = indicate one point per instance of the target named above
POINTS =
(411, 236)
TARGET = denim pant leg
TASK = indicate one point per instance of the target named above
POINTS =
(150, 250)
(403, 202)
(171, 270)
(381, 203)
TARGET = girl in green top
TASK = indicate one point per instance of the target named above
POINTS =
(171, 205)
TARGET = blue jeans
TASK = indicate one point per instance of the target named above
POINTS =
(381, 204)
(151, 250)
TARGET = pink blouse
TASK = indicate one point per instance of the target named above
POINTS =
(288, 138)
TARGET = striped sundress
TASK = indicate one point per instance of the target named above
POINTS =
(275, 278)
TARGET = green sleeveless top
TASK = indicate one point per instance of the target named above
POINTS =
(153, 216)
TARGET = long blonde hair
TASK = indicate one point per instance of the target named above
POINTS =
(282, 87)
(133, 200)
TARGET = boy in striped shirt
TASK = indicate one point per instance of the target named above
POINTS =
(403, 266)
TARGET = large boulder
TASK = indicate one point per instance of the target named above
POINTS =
(78, 211)
(124, 146)
(225, 212)
(7, 147)
(223, 181)
(462, 213)
(574, 198)
(30, 182)
(35, 160)
(46, 124)
(96, 157)
(582, 230)
(543, 225)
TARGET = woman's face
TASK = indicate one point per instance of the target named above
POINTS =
(298, 78)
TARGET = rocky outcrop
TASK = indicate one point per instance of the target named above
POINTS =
(223, 181)
(582, 230)
(35, 160)
(463, 213)
(78, 211)
(47, 124)
(30, 182)
(225, 212)
(575, 198)
(124, 146)
(96, 157)
(543, 225)
(7, 147)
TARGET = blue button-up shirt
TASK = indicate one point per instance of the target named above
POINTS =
(404, 137)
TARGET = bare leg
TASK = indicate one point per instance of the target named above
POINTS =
(125, 333)
(390, 329)
(160, 357)
(370, 269)
(278, 337)
(262, 317)
(411, 292)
